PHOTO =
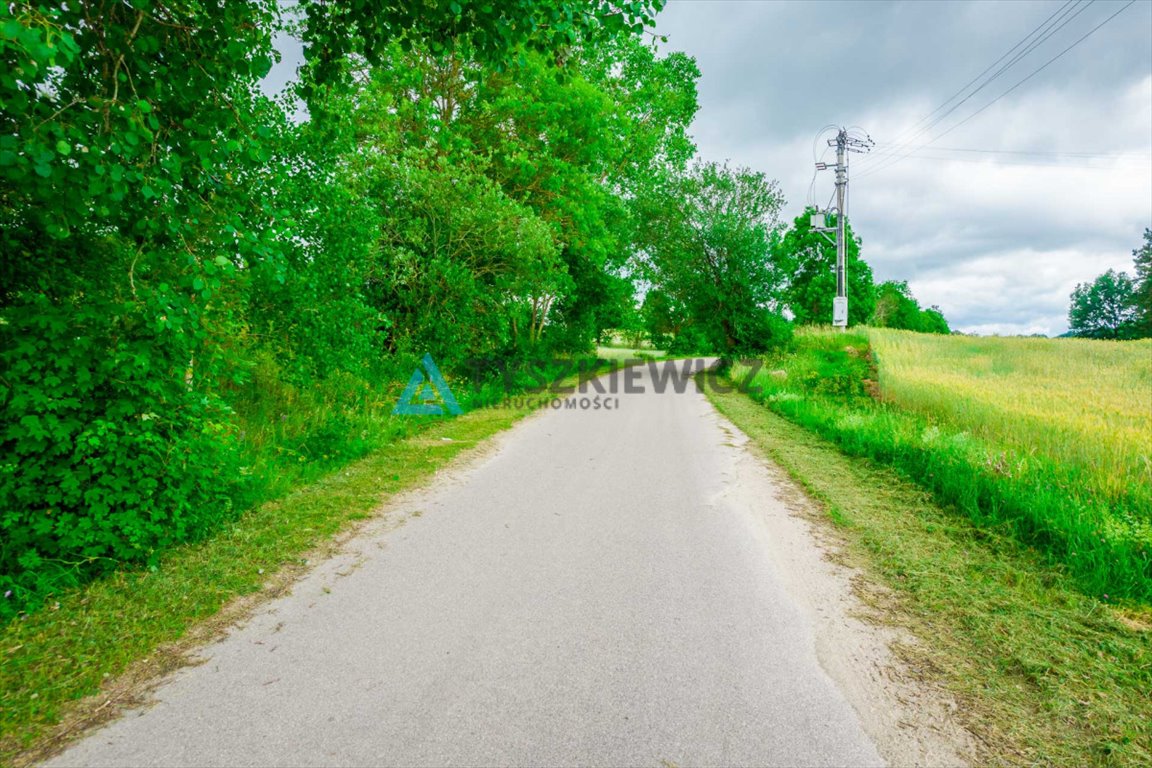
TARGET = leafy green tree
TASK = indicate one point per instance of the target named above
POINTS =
(808, 259)
(662, 318)
(1142, 293)
(654, 101)
(932, 320)
(335, 32)
(896, 307)
(464, 270)
(570, 139)
(1104, 308)
(556, 160)
(709, 257)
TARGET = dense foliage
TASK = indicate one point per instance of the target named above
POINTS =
(896, 307)
(207, 294)
(127, 137)
(181, 262)
(1105, 308)
(1116, 305)
(808, 257)
(714, 284)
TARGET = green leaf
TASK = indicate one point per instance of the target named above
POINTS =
(63, 148)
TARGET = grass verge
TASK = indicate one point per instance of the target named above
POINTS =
(1086, 403)
(1045, 674)
(1046, 500)
(81, 644)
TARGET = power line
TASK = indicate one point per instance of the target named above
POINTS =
(1045, 30)
(966, 155)
(1002, 164)
(1043, 153)
(906, 137)
(1019, 83)
(1039, 41)
(1052, 29)
(1038, 70)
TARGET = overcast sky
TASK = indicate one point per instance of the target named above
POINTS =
(996, 239)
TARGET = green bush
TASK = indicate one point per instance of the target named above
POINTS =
(109, 452)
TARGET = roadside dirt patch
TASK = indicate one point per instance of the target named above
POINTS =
(911, 721)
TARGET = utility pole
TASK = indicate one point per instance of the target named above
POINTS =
(840, 303)
(846, 141)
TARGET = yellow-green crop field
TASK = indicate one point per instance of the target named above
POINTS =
(1085, 403)
(1048, 439)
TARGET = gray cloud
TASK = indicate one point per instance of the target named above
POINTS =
(997, 240)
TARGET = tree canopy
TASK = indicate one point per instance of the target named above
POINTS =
(896, 307)
(714, 283)
(1105, 308)
(1116, 305)
(808, 259)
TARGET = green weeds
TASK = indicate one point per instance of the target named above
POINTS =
(829, 385)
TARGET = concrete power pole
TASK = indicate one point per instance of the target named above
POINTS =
(846, 141)
(840, 303)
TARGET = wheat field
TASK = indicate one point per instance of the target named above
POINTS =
(1084, 403)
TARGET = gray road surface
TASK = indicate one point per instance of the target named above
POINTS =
(586, 595)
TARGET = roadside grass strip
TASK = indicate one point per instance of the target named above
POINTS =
(1045, 673)
(61, 666)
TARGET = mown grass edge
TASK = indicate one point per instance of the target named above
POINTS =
(83, 657)
(1045, 674)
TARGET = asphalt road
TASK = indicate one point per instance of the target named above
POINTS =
(591, 593)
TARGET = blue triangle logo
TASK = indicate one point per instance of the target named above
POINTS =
(425, 387)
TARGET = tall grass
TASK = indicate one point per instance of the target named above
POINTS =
(288, 433)
(1086, 403)
(1045, 439)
